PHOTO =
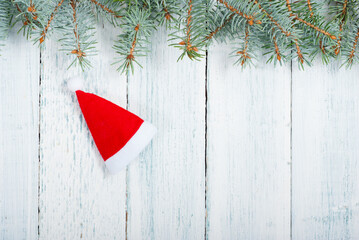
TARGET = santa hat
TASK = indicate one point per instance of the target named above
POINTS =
(118, 134)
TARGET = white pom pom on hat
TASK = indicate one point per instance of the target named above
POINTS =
(74, 84)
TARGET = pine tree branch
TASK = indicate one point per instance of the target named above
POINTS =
(236, 11)
(276, 48)
(299, 53)
(341, 26)
(286, 33)
(77, 51)
(353, 49)
(43, 34)
(189, 18)
(310, 8)
(214, 32)
(296, 17)
(167, 13)
(130, 56)
(27, 21)
(321, 46)
(244, 52)
(105, 8)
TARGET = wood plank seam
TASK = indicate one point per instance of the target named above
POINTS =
(205, 144)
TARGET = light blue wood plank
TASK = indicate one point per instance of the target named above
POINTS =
(19, 111)
(166, 185)
(78, 196)
(326, 153)
(248, 149)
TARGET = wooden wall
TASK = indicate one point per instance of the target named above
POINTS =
(264, 153)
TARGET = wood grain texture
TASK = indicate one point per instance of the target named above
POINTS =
(78, 197)
(248, 149)
(166, 186)
(325, 153)
(19, 111)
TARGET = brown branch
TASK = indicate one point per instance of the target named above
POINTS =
(244, 53)
(26, 18)
(43, 34)
(77, 51)
(321, 46)
(236, 11)
(167, 14)
(299, 53)
(296, 17)
(189, 19)
(210, 36)
(286, 33)
(130, 56)
(276, 48)
(352, 52)
(105, 8)
(310, 8)
(341, 26)
(188, 44)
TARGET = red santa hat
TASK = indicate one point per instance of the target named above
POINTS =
(118, 134)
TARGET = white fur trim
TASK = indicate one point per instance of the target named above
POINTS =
(74, 84)
(132, 148)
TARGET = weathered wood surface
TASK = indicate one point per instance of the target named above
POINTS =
(77, 197)
(19, 127)
(264, 153)
(325, 169)
(248, 150)
(166, 187)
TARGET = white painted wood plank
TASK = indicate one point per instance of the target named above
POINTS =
(19, 106)
(248, 149)
(166, 185)
(325, 153)
(78, 197)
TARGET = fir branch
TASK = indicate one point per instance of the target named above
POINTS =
(80, 54)
(341, 26)
(236, 11)
(27, 21)
(137, 28)
(215, 31)
(299, 52)
(310, 8)
(269, 16)
(106, 9)
(353, 49)
(277, 52)
(296, 17)
(167, 13)
(244, 53)
(321, 46)
(43, 34)
(130, 56)
(189, 19)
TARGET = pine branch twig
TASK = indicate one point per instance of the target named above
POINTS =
(236, 11)
(352, 52)
(214, 32)
(77, 51)
(244, 52)
(105, 8)
(310, 8)
(130, 56)
(286, 33)
(296, 17)
(43, 34)
(276, 48)
(341, 26)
